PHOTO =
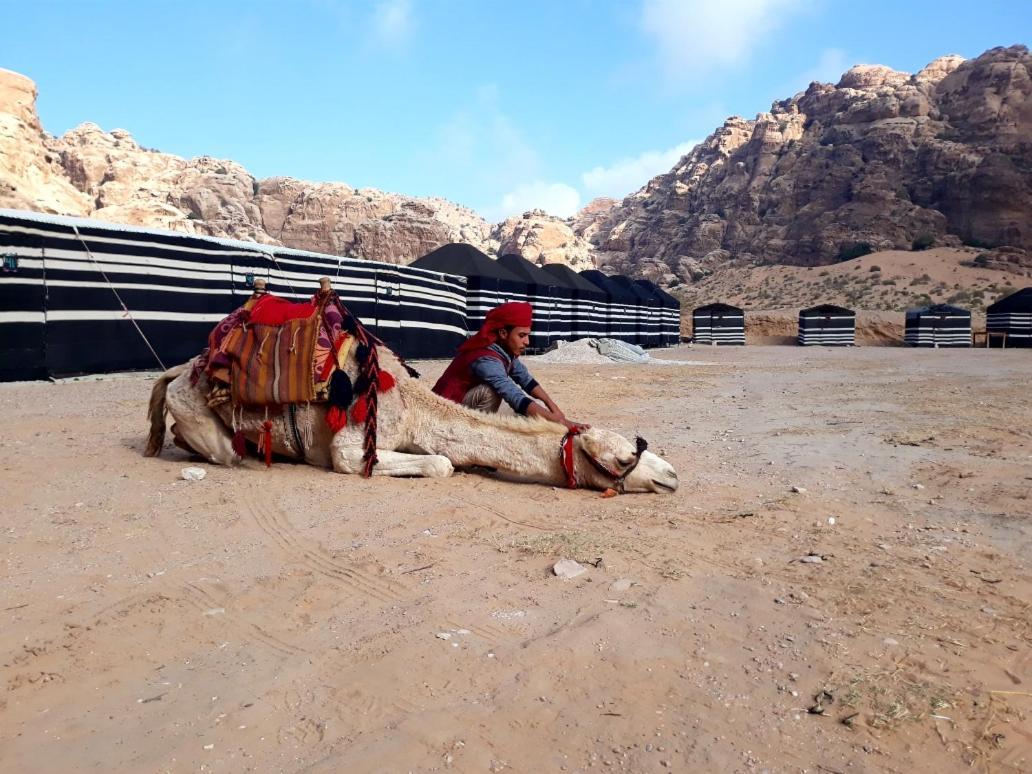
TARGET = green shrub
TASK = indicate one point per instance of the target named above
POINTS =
(849, 251)
(922, 242)
(979, 243)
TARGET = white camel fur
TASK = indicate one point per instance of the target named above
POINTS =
(419, 433)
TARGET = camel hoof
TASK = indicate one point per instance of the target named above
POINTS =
(440, 467)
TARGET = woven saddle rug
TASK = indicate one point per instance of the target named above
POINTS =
(271, 352)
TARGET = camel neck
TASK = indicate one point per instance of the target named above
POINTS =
(467, 439)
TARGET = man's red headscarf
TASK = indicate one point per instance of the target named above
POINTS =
(513, 313)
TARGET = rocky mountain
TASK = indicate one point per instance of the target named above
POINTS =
(880, 160)
(107, 175)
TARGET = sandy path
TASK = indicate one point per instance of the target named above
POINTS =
(287, 620)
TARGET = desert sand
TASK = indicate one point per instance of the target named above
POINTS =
(842, 584)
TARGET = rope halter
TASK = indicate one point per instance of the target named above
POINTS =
(567, 457)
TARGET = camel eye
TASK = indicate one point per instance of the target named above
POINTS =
(625, 462)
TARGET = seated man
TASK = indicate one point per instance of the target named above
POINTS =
(487, 369)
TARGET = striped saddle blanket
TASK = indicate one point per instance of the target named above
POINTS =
(272, 364)
(276, 352)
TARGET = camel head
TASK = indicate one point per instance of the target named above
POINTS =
(604, 457)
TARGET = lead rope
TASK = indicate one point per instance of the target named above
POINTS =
(120, 301)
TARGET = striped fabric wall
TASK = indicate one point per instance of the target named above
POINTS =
(831, 329)
(938, 329)
(592, 316)
(671, 325)
(59, 312)
(1017, 326)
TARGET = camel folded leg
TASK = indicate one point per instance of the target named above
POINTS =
(392, 463)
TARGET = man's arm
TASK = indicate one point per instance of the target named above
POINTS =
(550, 410)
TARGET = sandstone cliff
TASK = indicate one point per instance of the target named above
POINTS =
(877, 161)
(542, 238)
(107, 175)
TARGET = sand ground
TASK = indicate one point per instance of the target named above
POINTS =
(294, 619)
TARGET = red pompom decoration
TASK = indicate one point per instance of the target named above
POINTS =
(384, 382)
(337, 418)
(359, 410)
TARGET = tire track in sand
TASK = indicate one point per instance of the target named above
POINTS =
(201, 599)
(275, 524)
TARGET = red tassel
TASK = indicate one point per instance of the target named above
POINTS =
(384, 382)
(337, 418)
(267, 439)
(239, 444)
(360, 410)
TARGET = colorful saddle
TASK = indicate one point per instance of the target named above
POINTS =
(271, 353)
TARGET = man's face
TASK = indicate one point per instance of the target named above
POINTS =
(514, 340)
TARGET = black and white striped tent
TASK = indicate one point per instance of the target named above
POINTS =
(64, 281)
(718, 324)
(649, 309)
(488, 283)
(1011, 315)
(939, 325)
(621, 307)
(670, 313)
(589, 302)
(827, 325)
(553, 303)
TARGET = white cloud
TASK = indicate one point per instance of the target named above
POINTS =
(557, 199)
(829, 68)
(696, 36)
(392, 23)
(482, 144)
(628, 175)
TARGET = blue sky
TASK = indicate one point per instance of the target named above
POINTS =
(499, 106)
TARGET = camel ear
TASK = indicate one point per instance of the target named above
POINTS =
(641, 444)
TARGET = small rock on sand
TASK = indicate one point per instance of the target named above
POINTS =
(192, 474)
(568, 568)
(621, 584)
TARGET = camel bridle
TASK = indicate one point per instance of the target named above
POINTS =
(567, 458)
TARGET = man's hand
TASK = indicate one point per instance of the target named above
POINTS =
(580, 427)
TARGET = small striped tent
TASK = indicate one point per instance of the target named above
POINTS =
(939, 325)
(827, 325)
(718, 324)
(1011, 315)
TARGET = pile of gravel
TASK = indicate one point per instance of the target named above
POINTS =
(599, 352)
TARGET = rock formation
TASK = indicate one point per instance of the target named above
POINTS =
(542, 238)
(877, 161)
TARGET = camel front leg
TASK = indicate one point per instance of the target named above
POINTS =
(393, 463)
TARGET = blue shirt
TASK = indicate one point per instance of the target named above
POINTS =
(508, 377)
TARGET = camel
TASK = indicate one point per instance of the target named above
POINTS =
(419, 434)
